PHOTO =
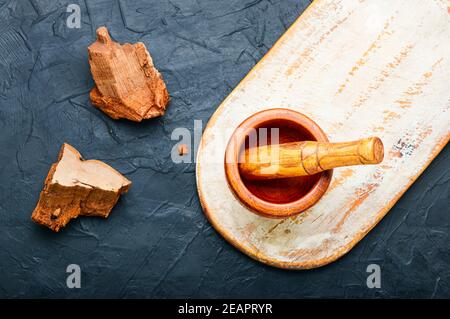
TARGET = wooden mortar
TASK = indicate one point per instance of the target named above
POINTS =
(281, 175)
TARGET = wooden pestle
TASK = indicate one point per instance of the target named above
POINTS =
(307, 158)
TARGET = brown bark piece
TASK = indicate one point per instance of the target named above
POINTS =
(183, 149)
(76, 187)
(127, 85)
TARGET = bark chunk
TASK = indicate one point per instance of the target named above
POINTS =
(127, 85)
(76, 187)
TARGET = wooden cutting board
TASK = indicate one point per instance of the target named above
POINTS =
(357, 68)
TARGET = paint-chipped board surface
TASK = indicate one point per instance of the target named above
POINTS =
(357, 68)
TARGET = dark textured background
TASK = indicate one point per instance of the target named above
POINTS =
(157, 243)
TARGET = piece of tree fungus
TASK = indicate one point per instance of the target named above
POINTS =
(76, 187)
(127, 85)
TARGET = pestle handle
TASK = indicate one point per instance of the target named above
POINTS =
(307, 158)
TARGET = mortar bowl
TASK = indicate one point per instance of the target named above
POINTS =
(275, 198)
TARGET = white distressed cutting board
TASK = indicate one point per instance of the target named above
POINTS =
(357, 68)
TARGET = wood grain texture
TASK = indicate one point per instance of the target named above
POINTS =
(76, 187)
(304, 158)
(357, 68)
(127, 85)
